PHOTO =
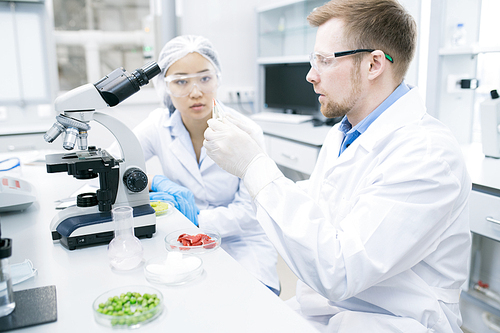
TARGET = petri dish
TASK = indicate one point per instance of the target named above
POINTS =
(161, 207)
(173, 269)
(172, 242)
(140, 313)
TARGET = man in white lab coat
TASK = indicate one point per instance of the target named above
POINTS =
(379, 235)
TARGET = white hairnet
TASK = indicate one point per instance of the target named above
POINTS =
(176, 49)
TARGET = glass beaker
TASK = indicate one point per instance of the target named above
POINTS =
(124, 250)
(7, 303)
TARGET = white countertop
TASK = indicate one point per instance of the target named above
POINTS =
(225, 299)
(483, 170)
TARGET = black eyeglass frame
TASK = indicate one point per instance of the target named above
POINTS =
(345, 53)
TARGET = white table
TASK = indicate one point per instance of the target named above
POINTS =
(225, 299)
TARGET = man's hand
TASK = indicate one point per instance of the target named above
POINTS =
(249, 127)
(230, 147)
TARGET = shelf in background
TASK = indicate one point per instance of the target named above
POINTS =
(472, 50)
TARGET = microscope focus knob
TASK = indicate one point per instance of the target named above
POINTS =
(135, 179)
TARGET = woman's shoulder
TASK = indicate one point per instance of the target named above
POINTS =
(159, 114)
(154, 119)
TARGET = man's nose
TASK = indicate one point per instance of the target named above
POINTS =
(312, 76)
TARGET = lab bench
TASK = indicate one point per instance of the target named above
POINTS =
(225, 299)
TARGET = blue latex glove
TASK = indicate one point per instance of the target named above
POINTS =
(181, 197)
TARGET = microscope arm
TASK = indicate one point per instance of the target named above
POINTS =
(129, 145)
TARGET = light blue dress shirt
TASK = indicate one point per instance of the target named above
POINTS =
(352, 133)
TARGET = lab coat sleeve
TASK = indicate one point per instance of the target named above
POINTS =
(394, 218)
(235, 219)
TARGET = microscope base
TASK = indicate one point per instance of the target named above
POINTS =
(72, 243)
(81, 227)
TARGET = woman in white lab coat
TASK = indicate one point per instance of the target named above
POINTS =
(187, 86)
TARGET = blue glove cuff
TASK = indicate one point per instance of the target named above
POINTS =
(161, 183)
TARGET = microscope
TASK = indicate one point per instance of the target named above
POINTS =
(122, 182)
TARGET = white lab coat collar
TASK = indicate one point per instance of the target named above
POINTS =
(390, 120)
(182, 147)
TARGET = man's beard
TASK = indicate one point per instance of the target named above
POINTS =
(334, 109)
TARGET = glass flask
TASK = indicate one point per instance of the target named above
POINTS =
(7, 303)
(124, 250)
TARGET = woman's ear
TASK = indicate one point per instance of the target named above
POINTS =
(377, 64)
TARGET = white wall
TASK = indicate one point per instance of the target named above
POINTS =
(231, 25)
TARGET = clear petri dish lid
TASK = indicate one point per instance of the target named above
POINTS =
(174, 268)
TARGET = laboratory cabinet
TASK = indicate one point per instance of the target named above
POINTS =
(475, 58)
(448, 63)
(481, 312)
(293, 155)
(294, 146)
(485, 212)
(283, 30)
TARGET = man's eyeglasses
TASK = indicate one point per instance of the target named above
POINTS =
(321, 62)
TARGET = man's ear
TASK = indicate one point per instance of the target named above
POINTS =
(377, 64)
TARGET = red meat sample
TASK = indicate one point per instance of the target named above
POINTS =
(196, 240)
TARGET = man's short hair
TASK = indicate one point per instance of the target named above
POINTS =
(373, 24)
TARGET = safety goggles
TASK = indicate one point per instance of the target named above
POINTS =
(321, 62)
(182, 85)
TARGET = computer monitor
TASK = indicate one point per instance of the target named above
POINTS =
(286, 88)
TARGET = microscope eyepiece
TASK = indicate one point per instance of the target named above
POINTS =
(146, 73)
(120, 84)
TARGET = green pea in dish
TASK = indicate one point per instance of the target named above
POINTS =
(128, 307)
